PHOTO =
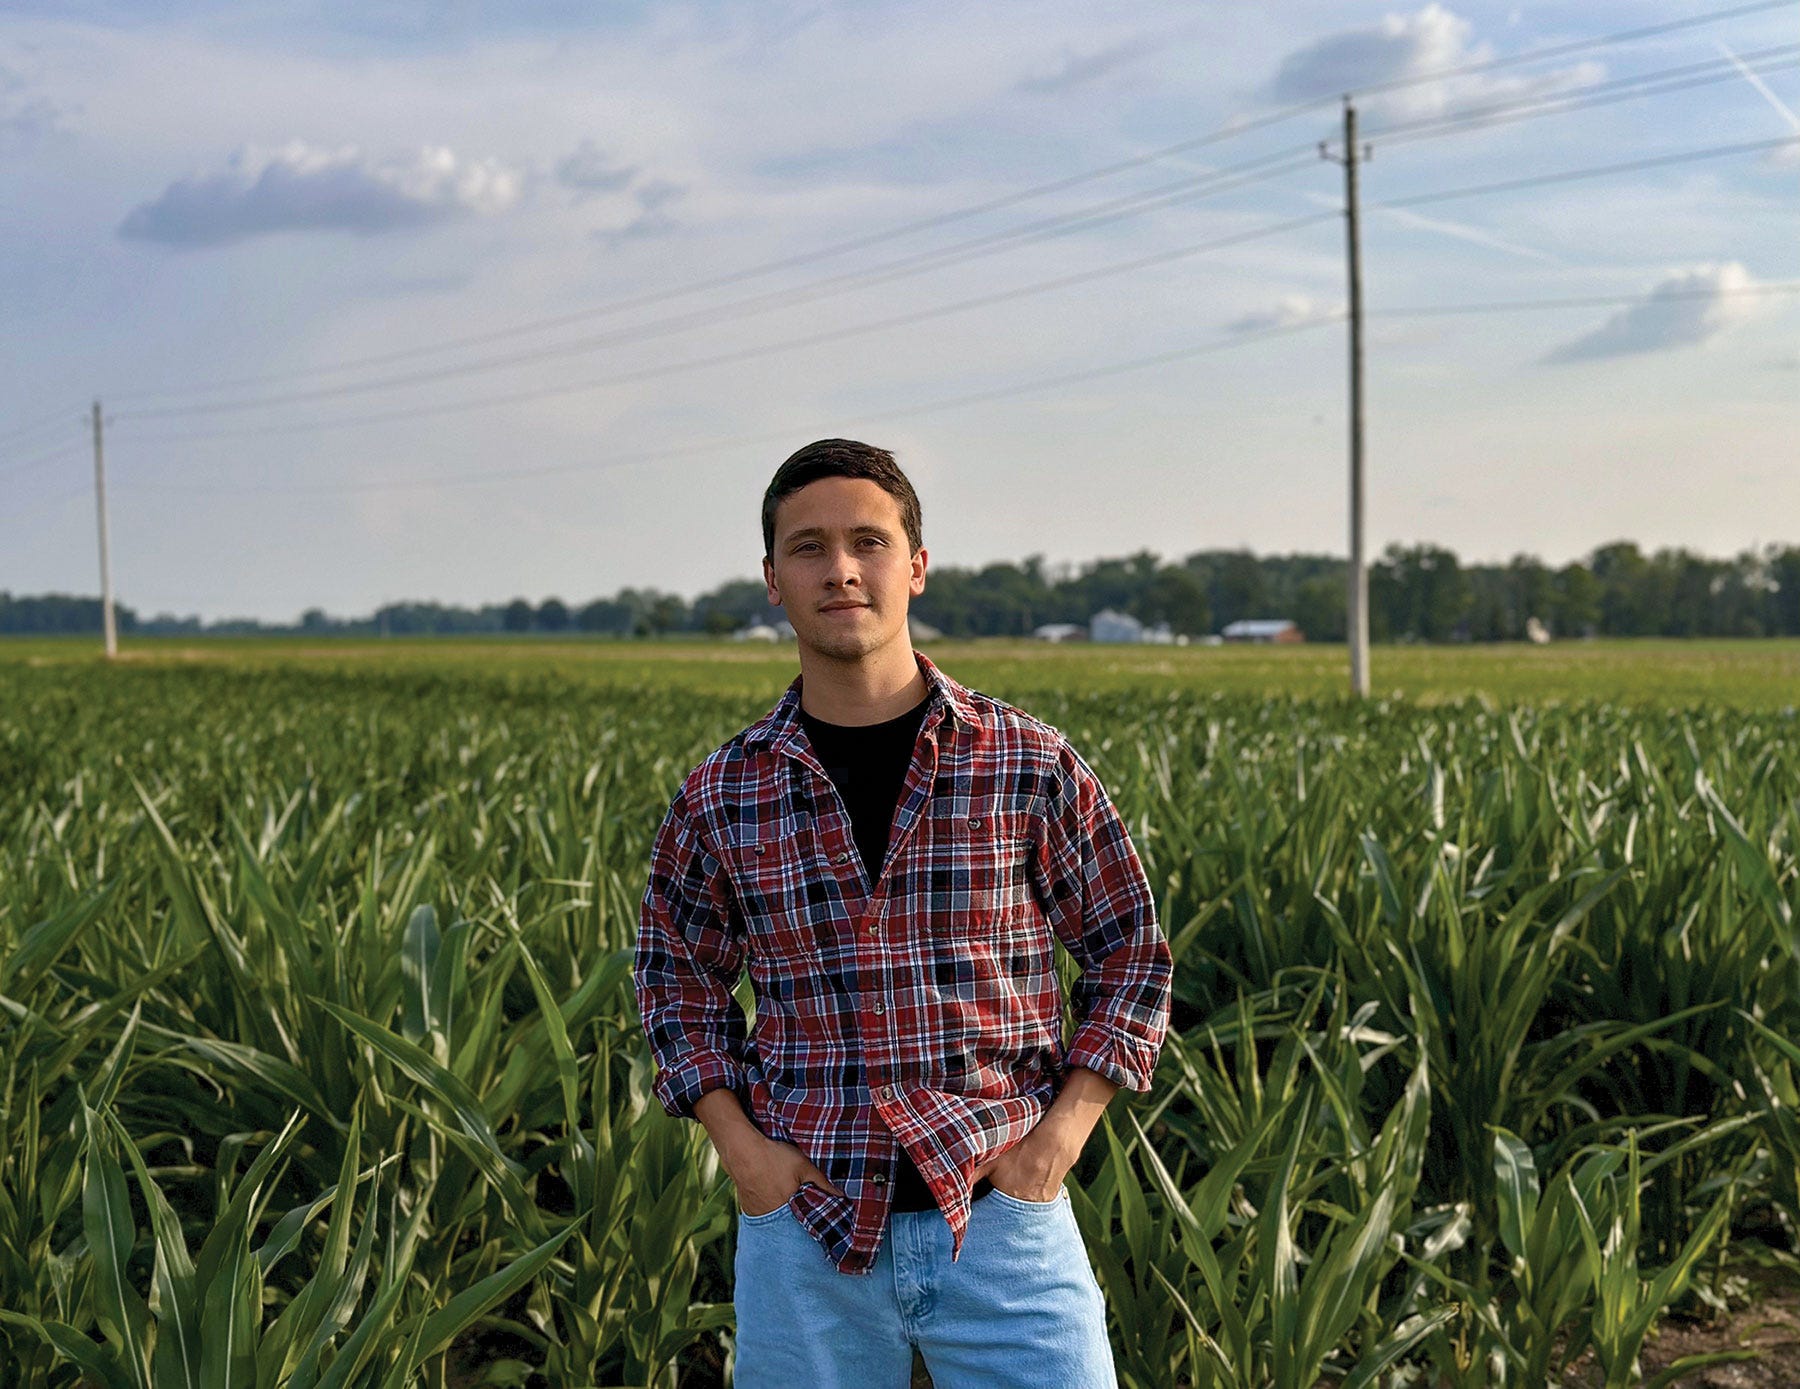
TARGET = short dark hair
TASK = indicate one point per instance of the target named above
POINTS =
(842, 458)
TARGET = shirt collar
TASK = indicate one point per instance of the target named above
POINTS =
(781, 725)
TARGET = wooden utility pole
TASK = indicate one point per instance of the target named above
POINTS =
(1357, 596)
(106, 593)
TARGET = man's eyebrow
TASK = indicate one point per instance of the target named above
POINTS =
(819, 532)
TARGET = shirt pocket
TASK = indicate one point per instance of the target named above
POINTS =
(763, 865)
(780, 891)
(981, 877)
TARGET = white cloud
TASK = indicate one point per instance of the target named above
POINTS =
(1078, 69)
(642, 213)
(589, 169)
(302, 187)
(1686, 309)
(1292, 311)
(1403, 48)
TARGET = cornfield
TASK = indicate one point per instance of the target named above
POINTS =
(319, 1066)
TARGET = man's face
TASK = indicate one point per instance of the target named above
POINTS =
(841, 569)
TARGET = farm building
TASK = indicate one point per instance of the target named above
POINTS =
(1107, 625)
(1263, 629)
(1060, 631)
(1110, 626)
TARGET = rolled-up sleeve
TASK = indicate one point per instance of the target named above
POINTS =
(689, 956)
(1102, 910)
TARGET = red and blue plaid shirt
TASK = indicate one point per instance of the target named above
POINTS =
(922, 1009)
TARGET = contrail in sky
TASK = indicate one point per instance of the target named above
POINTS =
(1462, 231)
(1761, 86)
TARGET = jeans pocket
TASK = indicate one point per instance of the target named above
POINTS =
(1020, 1203)
(767, 1217)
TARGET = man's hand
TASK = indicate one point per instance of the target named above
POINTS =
(765, 1172)
(1033, 1168)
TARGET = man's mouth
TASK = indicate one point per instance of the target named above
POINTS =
(841, 607)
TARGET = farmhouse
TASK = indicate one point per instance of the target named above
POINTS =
(1263, 629)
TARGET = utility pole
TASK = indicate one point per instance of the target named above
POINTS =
(1357, 597)
(106, 593)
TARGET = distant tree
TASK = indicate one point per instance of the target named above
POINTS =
(1532, 590)
(517, 616)
(1783, 568)
(1628, 600)
(1175, 596)
(948, 601)
(1577, 612)
(605, 615)
(1693, 584)
(667, 613)
(552, 616)
(738, 603)
(1007, 598)
(51, 614)
(1318, 609)
(1237, 588)
(1418, 593)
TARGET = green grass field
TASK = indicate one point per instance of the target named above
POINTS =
(1738, 674)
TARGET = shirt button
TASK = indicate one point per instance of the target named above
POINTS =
(879, 1179)
(975, 823)
(760, 849)
(880, 1008)
(874, 928)
(842, 858)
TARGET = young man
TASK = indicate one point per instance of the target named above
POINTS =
(893, 858)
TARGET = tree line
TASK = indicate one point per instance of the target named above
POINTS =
(1416, 593)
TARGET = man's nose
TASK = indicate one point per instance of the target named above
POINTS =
(843, 570)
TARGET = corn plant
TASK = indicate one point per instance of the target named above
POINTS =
(318, 1054)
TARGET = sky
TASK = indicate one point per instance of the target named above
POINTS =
(392, 301)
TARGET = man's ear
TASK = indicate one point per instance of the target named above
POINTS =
(769, 583)
(917, 585)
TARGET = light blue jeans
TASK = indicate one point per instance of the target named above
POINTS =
(1019, 1306)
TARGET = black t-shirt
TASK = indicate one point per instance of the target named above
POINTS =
(868, 765)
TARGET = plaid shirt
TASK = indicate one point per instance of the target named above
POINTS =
(922, 1009)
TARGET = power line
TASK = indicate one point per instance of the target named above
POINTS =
(1073, 378)
(1037, 384)
(955, 215)
(1662, 82)
(1660, 161)
(61, 499)
(790, 344)
(69, 416)
(55, 455)
(943, 310)
(1209, 184)
(1587, 301)
(1563, 50)
(1131, 205)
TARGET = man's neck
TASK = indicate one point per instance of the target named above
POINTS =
(855, 693)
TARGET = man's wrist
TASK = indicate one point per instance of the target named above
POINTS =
(727, 1125)
(1078, 1106)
